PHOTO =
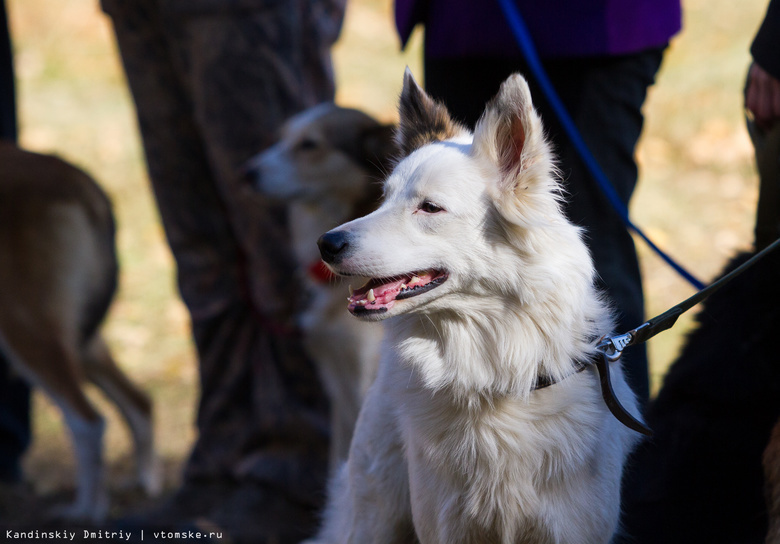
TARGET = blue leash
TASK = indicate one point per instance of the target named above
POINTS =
(523, 38)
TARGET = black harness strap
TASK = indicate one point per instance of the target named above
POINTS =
(546, 381)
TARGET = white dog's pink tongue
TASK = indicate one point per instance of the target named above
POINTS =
(381, 293)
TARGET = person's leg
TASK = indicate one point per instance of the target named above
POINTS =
(604, 97)
(14, 421)
(606, 105)
(14, 393)
(766, 144)
(211, 87)
(8, 126)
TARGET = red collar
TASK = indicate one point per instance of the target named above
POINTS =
(320, 273)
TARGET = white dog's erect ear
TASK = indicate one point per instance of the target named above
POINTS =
(510, 134)
(423, 120)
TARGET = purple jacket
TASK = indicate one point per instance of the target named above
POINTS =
(559, 28)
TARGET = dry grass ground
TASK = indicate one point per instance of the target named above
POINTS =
(696, 196)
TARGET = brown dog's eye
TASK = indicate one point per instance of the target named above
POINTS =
(307, 145)
(429, 207)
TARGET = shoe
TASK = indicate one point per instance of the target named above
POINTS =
(193, 500)
(259, 514)
(236, 513)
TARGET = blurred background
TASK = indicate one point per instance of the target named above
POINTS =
(696, 197)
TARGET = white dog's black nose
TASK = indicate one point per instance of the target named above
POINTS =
(333, 246)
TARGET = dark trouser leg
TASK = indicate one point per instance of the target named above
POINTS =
(211, 88)
(604, 96)
(766, 144)
(14, 421)
(7, 87)
(14, 393)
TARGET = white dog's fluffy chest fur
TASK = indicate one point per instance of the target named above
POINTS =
(507, 469)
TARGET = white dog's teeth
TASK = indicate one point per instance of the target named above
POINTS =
(351, 291)
(362, 302)
(403, 286)
(371, 297)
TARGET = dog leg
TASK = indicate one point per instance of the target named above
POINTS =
(369, 498)
(135, 407)
(339, 374)
(347, 367)
(52, 363)
(92, 500)
(342, 422)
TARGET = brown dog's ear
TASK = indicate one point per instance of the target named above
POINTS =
(378, 155)
(379, 150)
(423, 120)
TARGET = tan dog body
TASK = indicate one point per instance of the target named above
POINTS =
(58, 273)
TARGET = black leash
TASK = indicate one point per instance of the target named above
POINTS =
(610, 348)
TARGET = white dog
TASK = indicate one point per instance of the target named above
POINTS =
(488, 294)
(327, 167)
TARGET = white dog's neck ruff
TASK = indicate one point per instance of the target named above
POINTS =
(493, 348)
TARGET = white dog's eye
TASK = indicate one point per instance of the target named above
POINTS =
(429, 207)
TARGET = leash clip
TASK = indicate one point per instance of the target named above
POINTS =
(612, 347)
(609, 349)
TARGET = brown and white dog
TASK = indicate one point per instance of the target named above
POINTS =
(58, 272)
(327, 168)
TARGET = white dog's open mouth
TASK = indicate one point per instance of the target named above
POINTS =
(379, 294)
